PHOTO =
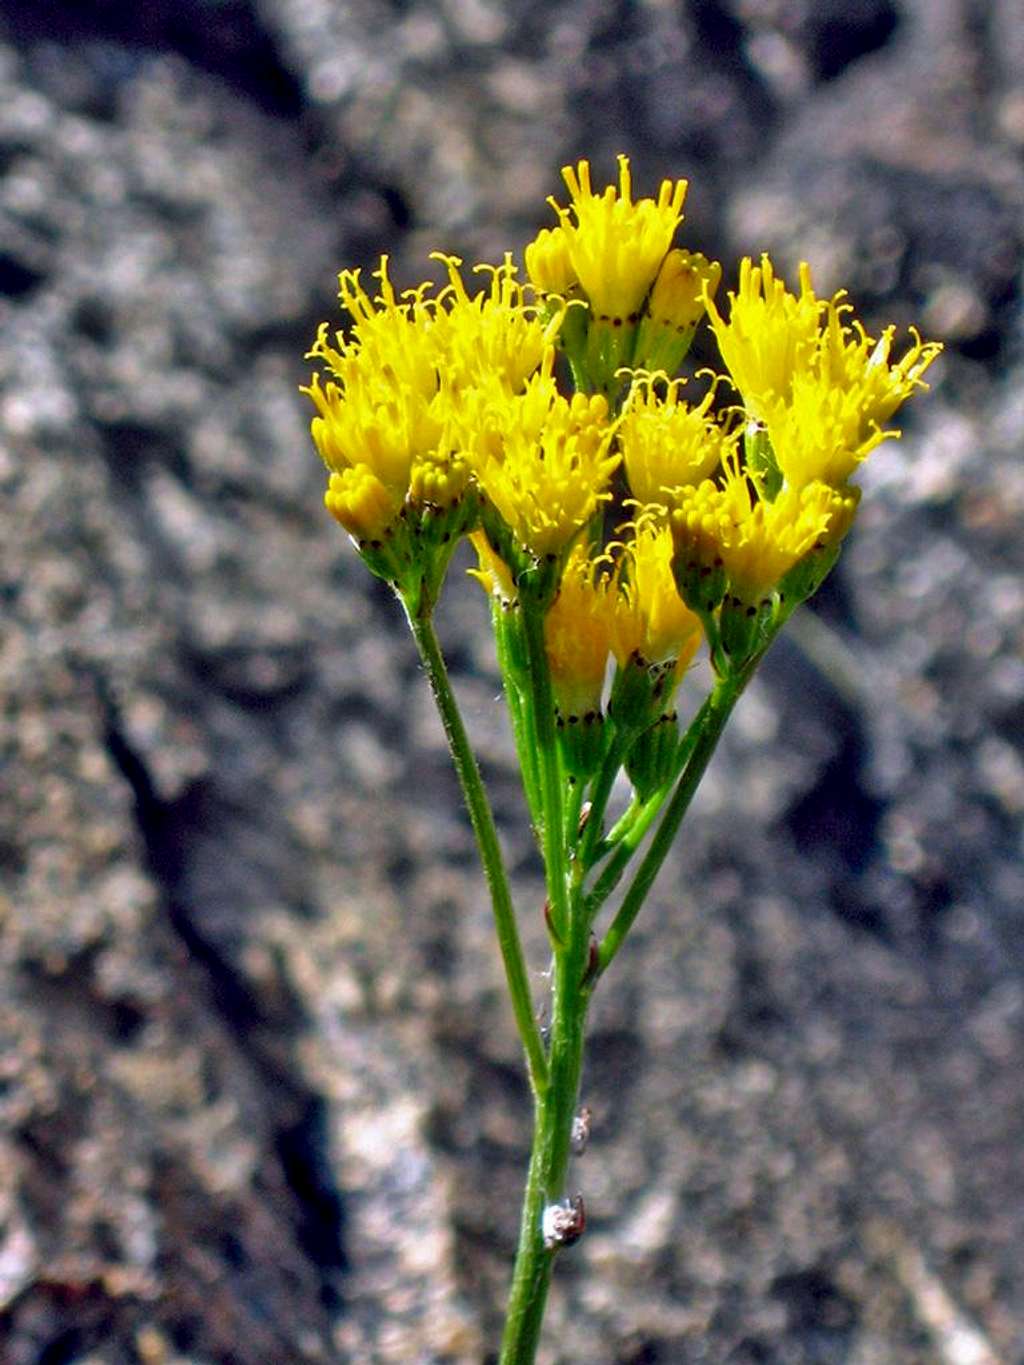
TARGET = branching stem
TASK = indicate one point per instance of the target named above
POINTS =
(482, 820)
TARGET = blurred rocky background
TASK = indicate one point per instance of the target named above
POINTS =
(260, 1098)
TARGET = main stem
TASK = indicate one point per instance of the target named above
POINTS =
(575, 974)
(490, 850)
(554, 1106)
(554, 1112)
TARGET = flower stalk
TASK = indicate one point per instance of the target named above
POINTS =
(486, 834)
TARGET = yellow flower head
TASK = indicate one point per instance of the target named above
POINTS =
(548, 263)
(541, 459)
(817, 382)
(673, 309)
(576, 634)
(650, 623)
(665, 443)
(363, 505)
(756, 541)
(389, 415)
(388, 336)
(490, 333)
(839, 402)
(769, 335)
(439, 482)
(679, 295)
(616, 246)
(381, 409)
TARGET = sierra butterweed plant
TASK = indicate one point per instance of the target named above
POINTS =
(620, 527)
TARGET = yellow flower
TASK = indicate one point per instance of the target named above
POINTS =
(541, 459)
(548, 263)
(665, 443)
(769, 336)
(616, 246)
(819, 384)
(685, 282)
(676, 305)
(376, 421)
(389, 414)
(438, 482)
(382, 408)
(576, 634)
(834, 415)
(650, 623)
(388, 336)
(492, 332)
(363, 505)
(755, 541)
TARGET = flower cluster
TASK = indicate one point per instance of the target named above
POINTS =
(522, 413)
(625, 516)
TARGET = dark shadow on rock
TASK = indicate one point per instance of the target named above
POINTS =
(226, 39)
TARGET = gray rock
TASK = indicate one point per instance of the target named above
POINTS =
(261, 1100)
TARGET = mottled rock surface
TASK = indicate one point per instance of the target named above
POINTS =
(260, 1099)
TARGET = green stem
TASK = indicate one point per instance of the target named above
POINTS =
(551, 779)
(631, 828)
(554, 1112)
(718, 709)
(599, 801)
(611, 873)
(573, 811)
(490, 851)
(622, 826)
(520, 706)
